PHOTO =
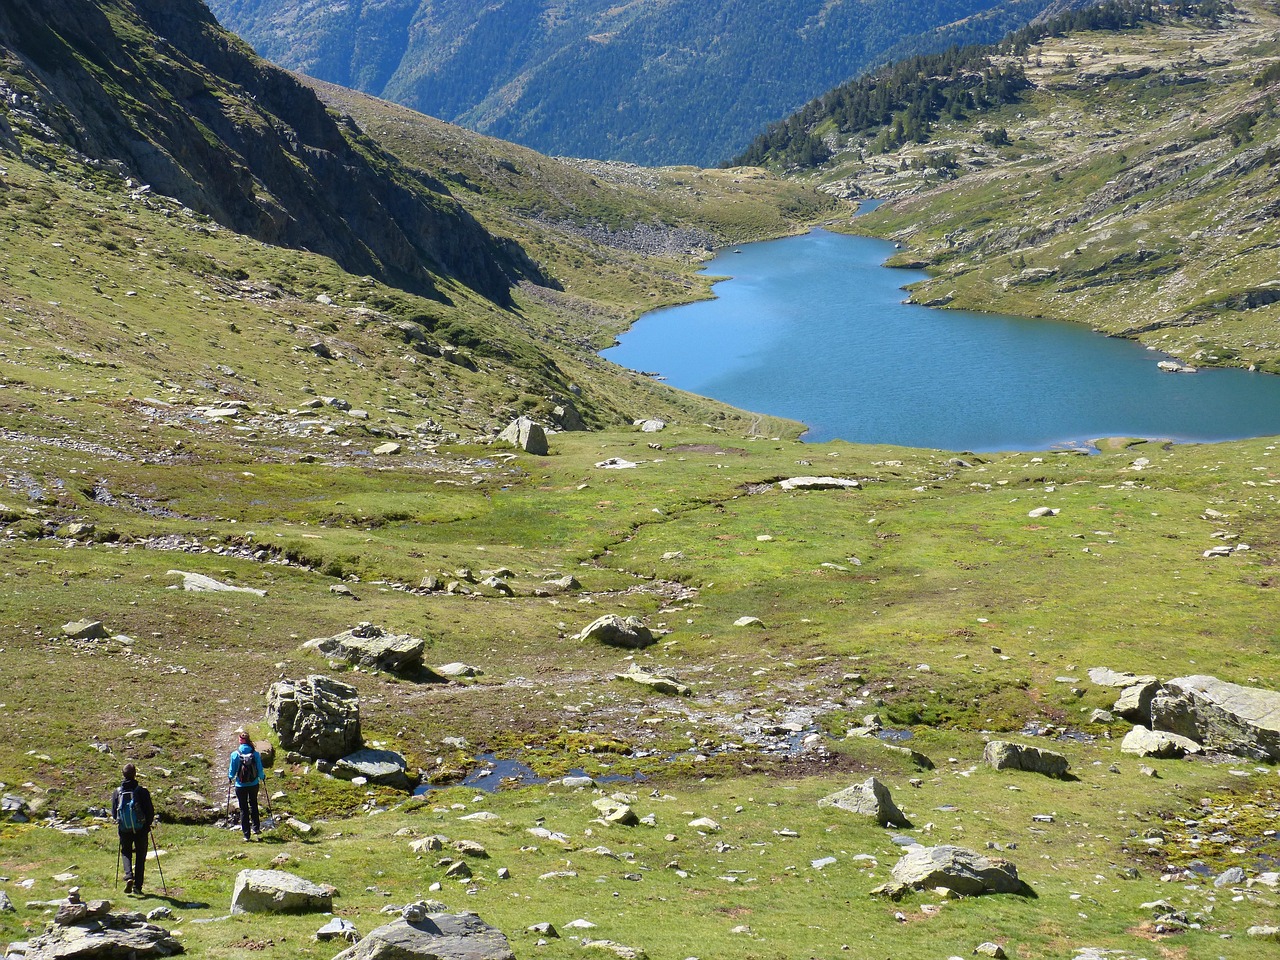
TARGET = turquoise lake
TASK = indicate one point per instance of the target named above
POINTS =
(813, 328)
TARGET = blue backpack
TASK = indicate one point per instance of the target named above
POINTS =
(130, 819)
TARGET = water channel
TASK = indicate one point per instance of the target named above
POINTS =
(813, 328)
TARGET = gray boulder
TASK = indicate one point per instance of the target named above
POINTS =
(1003, 755)
(527, 435)
(1106, 677)
(1142, 742)
(1223, 716)
(385, 768)
(373, 648)
(657, 682)
(870, 799)
(318, 717)
(275, 891)
(338, 929)
(1134, 703)
(958, 869)
(85, 630)
(616, 631)
(436, 936)
(94, 932)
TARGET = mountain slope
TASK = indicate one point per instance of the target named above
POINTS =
(665, 82)
(197, 117)
(1129, 182)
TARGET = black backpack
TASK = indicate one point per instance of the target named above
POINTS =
(247, 771)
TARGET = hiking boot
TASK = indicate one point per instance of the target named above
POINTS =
(246, 838)
(128, 886)
(257, 831)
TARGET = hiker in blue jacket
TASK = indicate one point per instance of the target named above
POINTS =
(133, 812)
(245, 772)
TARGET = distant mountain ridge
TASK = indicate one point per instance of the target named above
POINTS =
(664, 82)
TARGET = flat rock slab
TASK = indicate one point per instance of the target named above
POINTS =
(437, 936)
(108, 936)
(1141, 742)
(275, 891)
(657, 682)
(1229, 717)
(199, 583)
(1106, 677)
(819, 483)
(386, 768)
(958, 869)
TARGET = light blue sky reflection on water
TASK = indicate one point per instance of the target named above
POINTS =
(813, 328)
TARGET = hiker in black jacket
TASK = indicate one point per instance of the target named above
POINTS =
(132, 811)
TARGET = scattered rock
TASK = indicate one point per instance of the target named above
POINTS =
(436, 936)
(459, 670)
(749, 622)
(1264, 933)
(989, 949)
(388, 449)
(616, 811)
(95, 932)
(85, 630)
(318, 717)
(1003, 755)
(871, 799)
(819, 483)
(338, 929)
(658, 682)
(199, 583)
(527, 436)
(371, 647)
(651, 426)
(1142, 742)
(958, 869)
(275, 891)
(385, 768)
(616, 631)
(1039, 513)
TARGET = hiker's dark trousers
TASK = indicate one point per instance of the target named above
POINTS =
(133, 850)
(247, 797)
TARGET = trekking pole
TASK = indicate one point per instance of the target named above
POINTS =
(119, 851)
(156, 848)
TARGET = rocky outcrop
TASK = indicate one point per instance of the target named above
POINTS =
(1222, 716)
(371, 647)
(434, 936)
(318, 717)
(1003, 755)
(615, 631)
(1134, 702)
(958, 869)
(869, 799)
(275, 891)
(527, 436)
(89, 930)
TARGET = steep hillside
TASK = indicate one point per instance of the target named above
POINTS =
(1127, 181)
(655, 83)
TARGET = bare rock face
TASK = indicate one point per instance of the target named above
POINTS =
(1003, 755)
(318, 717)
(275, 891)
(1223, 716)
(526, 435)
(956, 868)
(87, 931)
(1134, 702)
(433, 936)
(616, 631)
(871, 799)
(368, 645)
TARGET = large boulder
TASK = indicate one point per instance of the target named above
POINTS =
(89, 930)
(958, 869)
(1003, 755)
(1134, 702)
(1142, 742)
(318, 717)
(368, 645)
(385, 768)
(526, 435)
(275, 891)
(870, 799)
(616, 631)
(1221, 715)
(435, 936)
